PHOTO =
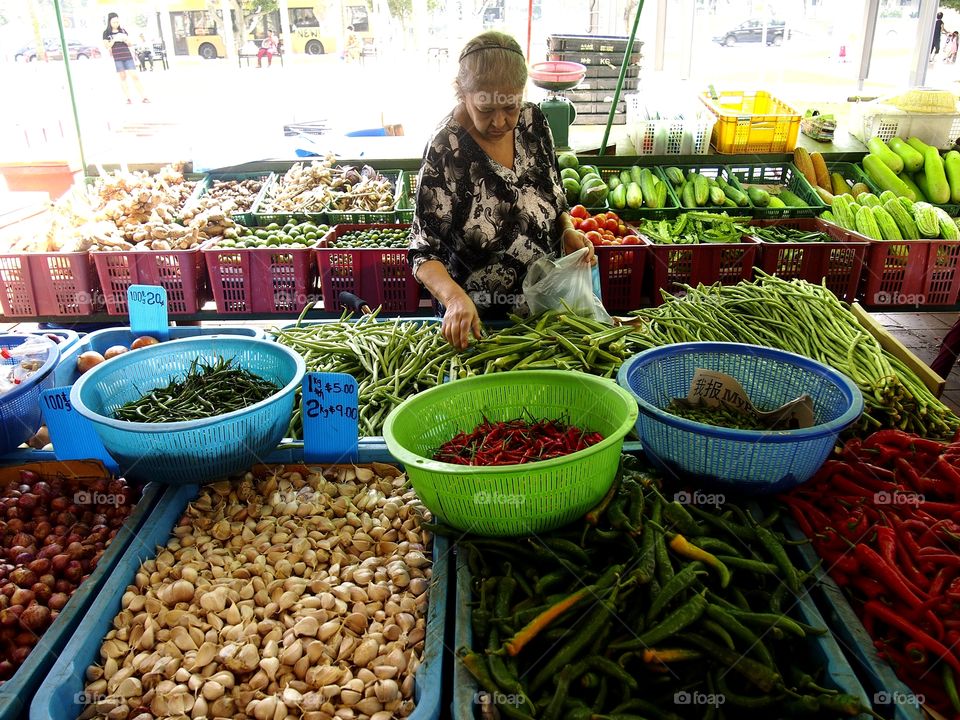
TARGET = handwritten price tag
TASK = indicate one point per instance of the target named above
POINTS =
(72, 435)
(148, 311)
(330, 417)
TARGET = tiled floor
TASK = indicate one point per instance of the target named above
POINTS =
(920, 332)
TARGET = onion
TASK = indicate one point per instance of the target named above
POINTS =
(35, 617)
(22, 597)
(42, 529)
(22, 539)
(57, 601)
(8, 589)
(59, 563)
(64, 586)
(143, 341)
(11, 616)
(42, 489)
(19, 656)
(41, 592)
(59, 504)
(114, 351)
(48, 580)
(13, 512)
(39, 566)
(25, 487)
(74, 572)
(6, 669)
(15, 525)
(48, 551)
(28, 477)
(23, 577)
(25, 558)
(75, 551)
(28, 501)
(89, 360)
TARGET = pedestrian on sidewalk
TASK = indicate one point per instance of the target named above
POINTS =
(949, 349)
(120, 45)
(268, 47)
(938, 31)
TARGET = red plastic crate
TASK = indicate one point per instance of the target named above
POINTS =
(840, 262)
(621, 275)
(181, 272)
(261, 280)
(63, 284)
(912, 273)
(727, 263)
(382, 277)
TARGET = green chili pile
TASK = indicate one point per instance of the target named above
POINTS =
(205, 391)
(809, 320)
(720, 416)
(555, 340)
(647, 608)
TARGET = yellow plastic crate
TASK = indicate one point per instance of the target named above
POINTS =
(752, 122)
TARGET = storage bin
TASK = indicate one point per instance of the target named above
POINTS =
(262, 280)
(840, 263)
(676, 265)
(785, 175)
(752, 122)
(52, 284)
(180, 272)
(912, 273)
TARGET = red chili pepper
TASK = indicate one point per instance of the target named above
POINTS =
(896, 438)
(940, 580)
(941, 558)
(869, 587)
(926, 445)
(892, 618)
(949, 474)
(906, 474)
(887, 575)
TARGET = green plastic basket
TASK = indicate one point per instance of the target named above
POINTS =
(511, 499)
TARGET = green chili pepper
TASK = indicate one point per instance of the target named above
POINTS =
(683, 580)
(673, 623)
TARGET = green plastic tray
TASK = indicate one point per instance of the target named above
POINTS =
(786, 175)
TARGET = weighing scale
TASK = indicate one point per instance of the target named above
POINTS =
(557, 77)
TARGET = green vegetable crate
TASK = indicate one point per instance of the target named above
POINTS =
(721, 193)
(360, 217)
(408, 198)
(786, 180)
(912, 274)
(839, 262)
(670, 208)
(245, 217)
(381, 276)
(676, 265)
(852, 174)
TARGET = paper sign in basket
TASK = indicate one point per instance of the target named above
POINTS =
(711, 388)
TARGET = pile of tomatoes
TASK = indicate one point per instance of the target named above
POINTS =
(603, 228)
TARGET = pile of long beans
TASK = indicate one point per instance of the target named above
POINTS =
(785, 234)
(645, 608)
(809, 320)
(390, 360)
(554, 340)
(205, 391)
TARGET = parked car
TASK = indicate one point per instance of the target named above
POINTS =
(77, 50)
(752, 31)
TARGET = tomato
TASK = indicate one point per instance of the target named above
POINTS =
(579, 211)
(606, 242)
(576, 223)
(611, 214)
(589, 225)
(631, 240)
(611, 224)
(601, 218)
(621, 229)
(594, 237)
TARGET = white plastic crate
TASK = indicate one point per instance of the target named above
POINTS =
(670, 136)
(940, 130)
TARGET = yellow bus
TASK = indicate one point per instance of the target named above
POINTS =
(195, 28)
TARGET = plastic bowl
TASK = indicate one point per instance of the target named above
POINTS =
(511, 499)
(748, 461)
(198, 450)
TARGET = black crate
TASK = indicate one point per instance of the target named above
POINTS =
(607, 85)
(593, 58)
(590, 43)
(611, 71)
(599, 119)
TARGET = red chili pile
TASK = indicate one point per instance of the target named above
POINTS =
(52, 533)
(514, 442)
(885, 518)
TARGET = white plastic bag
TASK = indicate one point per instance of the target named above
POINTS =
(553, 284)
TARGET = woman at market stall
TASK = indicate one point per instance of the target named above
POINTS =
(489, 199)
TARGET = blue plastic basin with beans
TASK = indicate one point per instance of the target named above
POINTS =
(61, 696)
(750, 461)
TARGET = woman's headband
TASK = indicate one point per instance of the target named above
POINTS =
(489, 47)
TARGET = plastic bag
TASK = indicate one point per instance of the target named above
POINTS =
(553, 284)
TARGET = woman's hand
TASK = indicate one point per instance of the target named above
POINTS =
(574, 240)
(460, 321)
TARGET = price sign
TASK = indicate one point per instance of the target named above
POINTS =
(330, 417)
(72, 435)
(148, 311)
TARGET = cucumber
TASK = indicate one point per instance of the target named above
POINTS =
(635, 175)
(919, 145)
(758, 196)
(951, 165)
(884, 178)
(688, 196)
(910, 183)
(791, 199)
(634, 196)
(701, 190)
(912, 160)
(879, 148)
(618, 198)
(936, 177)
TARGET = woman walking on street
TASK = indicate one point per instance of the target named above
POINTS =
(118, 42)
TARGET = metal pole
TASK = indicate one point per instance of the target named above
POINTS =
(73, 95)
(623, 73)
(921, 60)
(869, 30)
(529, 27)
(661, 43)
